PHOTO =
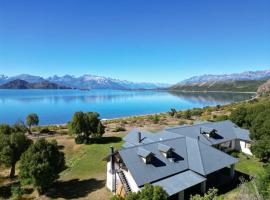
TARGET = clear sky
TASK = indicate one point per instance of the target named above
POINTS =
(137, 40)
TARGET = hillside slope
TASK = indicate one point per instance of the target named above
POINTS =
(235, 86)
(244, 76)
(264, 89)
(21, 84)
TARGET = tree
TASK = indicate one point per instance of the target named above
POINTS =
(260, 126)
(41, 164)
(78, 124)
(32, 120)
(149, 192)
(238, 116)
(101, 129)
(261, 149)
(187, 114)
(84, 125)
(210, 195)
(13, 143)
(172, 112)
(5, 129)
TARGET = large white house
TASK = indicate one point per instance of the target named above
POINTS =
(177, 158)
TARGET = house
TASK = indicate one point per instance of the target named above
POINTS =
(176, 159)
(224, 135)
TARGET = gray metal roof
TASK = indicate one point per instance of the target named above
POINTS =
(160, 166)
(205, 129)
(132, 137)
(225, 131)
(147, 137)
(180, 182)
(242, 134)
(143, 152)
(188, 154)
(163, 147)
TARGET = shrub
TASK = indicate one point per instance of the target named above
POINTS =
(44, 130)
(81, 139)
(181, 122)
(16, 193)
(119, 129)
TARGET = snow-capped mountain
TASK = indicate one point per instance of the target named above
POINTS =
(87, 81)
(99, 82)
(249, 75)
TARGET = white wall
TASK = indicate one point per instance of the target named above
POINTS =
(245, 147)
(109, 177)
(132, 184)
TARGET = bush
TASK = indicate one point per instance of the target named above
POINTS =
(234, 154)
(81, 139)
(45, 130)
(221, 117)
(187, 114)
(210, 195)
(119, 129)
(155, 119)
(181, 122)
(16, 193)
(196, 112)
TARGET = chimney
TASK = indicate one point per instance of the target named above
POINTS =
(112, 170)
(112, 158)
(139, 137)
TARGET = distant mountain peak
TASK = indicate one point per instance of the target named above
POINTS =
(247, 75)
(87, 81)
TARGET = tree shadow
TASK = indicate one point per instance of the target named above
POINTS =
(5, 190)
(105, 140)
(74, 188)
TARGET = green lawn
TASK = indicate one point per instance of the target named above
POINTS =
(89, 162)
(85, 177)
(249, 165)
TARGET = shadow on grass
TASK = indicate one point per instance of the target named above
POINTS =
(74, 188)
(5, 191)
(105, 140)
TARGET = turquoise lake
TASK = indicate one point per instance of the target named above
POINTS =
(58, 106)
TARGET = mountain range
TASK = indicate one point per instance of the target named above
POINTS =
(83, 82)
(21, 84)
(242, 82)
(239, 82)
(244, 76)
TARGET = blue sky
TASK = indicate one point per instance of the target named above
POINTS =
(137, 40)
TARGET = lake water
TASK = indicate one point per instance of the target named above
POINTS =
(58, 106)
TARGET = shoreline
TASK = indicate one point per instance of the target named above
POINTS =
(138, 90)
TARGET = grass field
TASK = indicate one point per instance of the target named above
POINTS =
(85, 176)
